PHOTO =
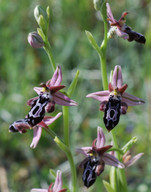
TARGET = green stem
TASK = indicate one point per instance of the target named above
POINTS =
(50, 132)
(66, 124)
(73, 171)
(48, 50)
(102, 55)
(66, 149)
(103, 48)
(104, 71)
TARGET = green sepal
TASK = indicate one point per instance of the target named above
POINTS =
(108, 186)
(73, 84)
(40, 32)
(93, 42)
(129, 144)
(43, 25)
(38, 11)
(104, 12)
(61, 145)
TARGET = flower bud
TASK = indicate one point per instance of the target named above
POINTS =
(38, 11)
(35, 40)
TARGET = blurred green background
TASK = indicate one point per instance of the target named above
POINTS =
(22, 68)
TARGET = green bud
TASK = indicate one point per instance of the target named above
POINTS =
(98, 4)
(129, 144)
(48, 12)
(38, 11)
(43, 25)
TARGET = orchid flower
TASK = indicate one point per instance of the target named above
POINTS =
(96, 158)
(115, 100)
(57, 187)
(121, 29)
(53, 86)
(21, 126)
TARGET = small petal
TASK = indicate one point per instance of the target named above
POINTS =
(54, 89)
(37, 134)
(122, 34)
(124, 108)
(56, 78)
(132, 100)
(62, 99)
(38, 89)
(111, 160)
(84, 150)
(109, 14)
(133, 160)
(117, 77)
(100, 95)
(100, 138)
(49, 120)
(50, 107)
(58, 182)
(30, 102)
(100, 168)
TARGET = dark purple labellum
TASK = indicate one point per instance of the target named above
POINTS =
(134, 36)
(37, 112)
(112, 112)
(35, 115)
(89, 174)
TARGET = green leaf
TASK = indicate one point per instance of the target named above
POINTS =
(108, 186)
(93, 42)
(104, 12)
(129, 144)
(52, 173)
(113, 179)
(73, 85)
